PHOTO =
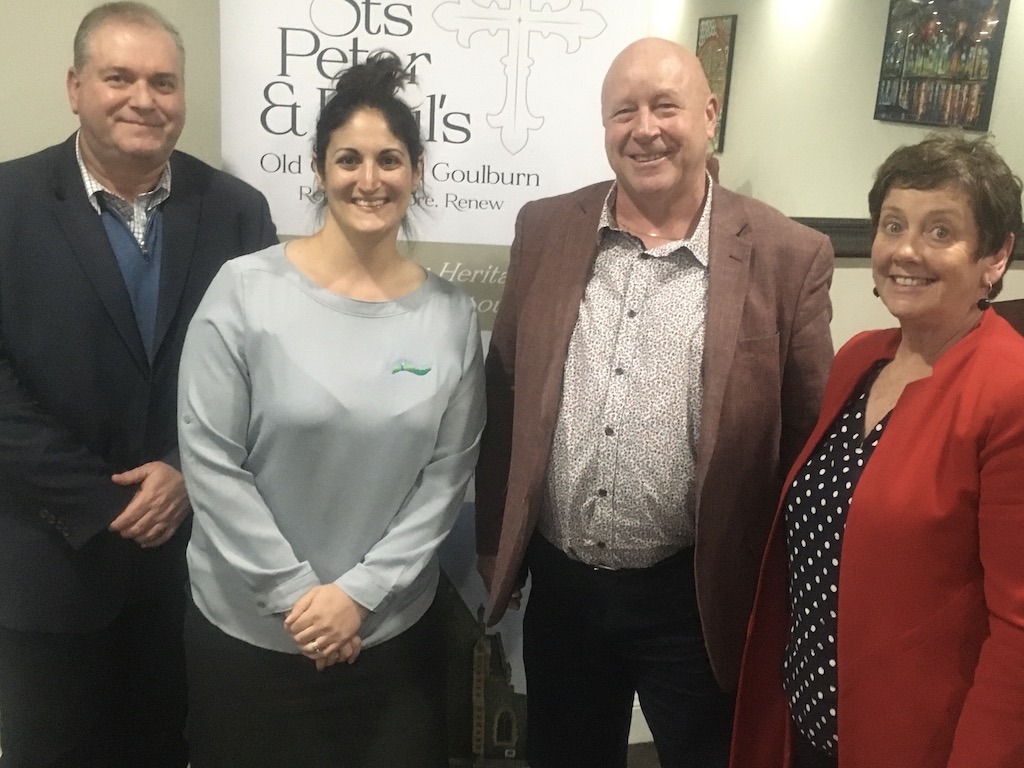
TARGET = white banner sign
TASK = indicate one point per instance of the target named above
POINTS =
(507, 94)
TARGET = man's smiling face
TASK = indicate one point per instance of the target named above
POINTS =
(658, 114)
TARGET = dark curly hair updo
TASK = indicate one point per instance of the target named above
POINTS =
(374, 84)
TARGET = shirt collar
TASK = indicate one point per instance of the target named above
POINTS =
(93, 187)
(698, 243)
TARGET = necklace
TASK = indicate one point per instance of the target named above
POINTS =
(637, 233)
(651, 234)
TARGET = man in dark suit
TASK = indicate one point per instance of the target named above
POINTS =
(107, 244)
(657, 361)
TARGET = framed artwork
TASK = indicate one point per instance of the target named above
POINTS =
(940, 62)
(715, 36)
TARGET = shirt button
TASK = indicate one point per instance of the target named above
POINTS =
(602, 492)
(619, 371)
(631, 313)
(601, 545)
(609, 431)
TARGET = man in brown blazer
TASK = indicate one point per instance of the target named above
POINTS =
(657, 362)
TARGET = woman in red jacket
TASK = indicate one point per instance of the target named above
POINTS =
(888, 628)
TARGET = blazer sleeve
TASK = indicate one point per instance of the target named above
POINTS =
(48, 471)
(990, 731)
(45, 469)
(809, 357)
(500, 382)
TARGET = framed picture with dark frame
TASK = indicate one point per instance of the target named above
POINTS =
(940, 62)
(715, 35)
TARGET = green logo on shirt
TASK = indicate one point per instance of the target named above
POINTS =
(403, 368)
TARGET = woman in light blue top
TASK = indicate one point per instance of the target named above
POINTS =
(331, 403)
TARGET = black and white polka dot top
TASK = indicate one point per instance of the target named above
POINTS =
(816, 507)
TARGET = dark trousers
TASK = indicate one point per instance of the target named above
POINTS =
(115, 697)
(593, 637)
(254, 708)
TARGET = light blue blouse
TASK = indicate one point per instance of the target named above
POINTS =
(323, 439)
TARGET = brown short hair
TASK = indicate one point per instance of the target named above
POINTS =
(128, 12)
(972, 166)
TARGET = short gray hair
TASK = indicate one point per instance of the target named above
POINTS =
(129, 13)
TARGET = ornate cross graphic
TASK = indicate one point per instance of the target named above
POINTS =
(519, 20)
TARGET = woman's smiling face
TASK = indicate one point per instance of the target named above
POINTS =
(925, 259)
(368, 178)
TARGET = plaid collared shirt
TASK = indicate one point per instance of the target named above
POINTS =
(136, 214)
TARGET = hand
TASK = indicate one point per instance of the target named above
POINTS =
(324, 623)
(485, 567)
(349, 652)
(158, 507)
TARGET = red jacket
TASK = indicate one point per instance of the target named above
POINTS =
(931, 582)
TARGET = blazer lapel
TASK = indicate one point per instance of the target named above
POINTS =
(565, 274)
(729, 267)
(547, 318)
(181, 228)
(88, 242)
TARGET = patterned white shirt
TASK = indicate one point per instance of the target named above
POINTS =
(620, 484)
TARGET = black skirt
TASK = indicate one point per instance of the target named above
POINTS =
(254, 708)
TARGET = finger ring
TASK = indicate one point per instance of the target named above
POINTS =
(316, 648)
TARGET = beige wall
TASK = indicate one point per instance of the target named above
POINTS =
(35, 48)
(800, 132)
